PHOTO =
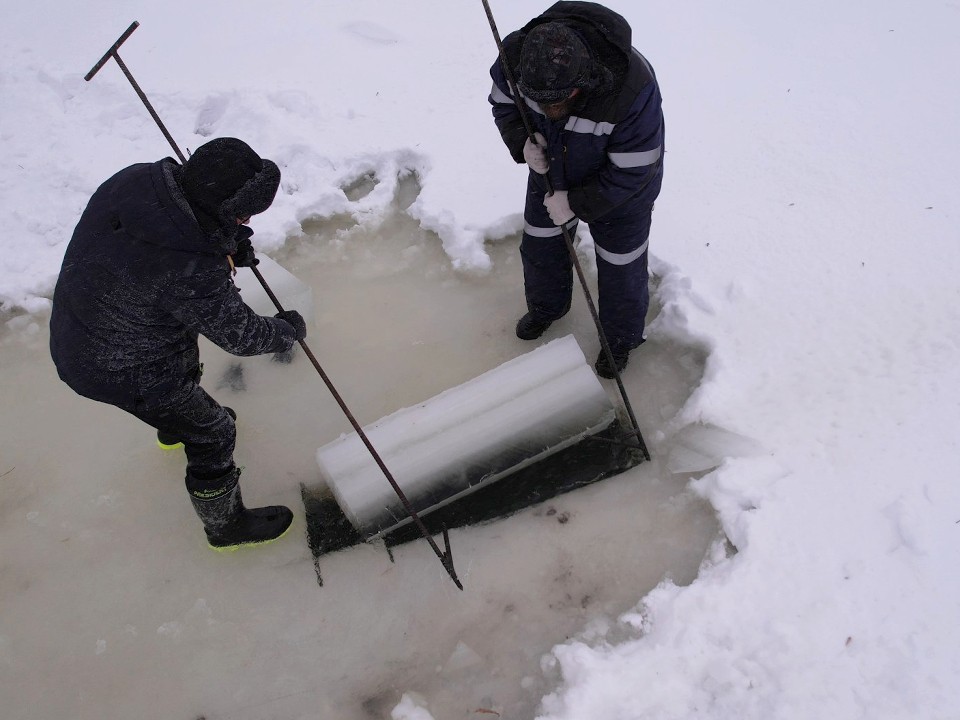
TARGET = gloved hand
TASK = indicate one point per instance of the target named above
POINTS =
(559, 207)
(243, 256)
(295, 319)
(534, 154)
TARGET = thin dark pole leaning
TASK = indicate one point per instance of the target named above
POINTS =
(112, 52)
(508, 73)
(446, 556)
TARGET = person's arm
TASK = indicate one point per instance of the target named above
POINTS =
(208, 302)
(505, 112)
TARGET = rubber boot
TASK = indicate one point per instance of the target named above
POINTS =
(603, 367)
(228, 524)
(167, 441)
(531, 326)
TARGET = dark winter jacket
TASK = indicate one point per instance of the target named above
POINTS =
(140, 280)
(610, 150)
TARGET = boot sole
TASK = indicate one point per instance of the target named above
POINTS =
(248, 543)
(531, 336)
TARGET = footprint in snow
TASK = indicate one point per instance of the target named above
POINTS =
(372, 32)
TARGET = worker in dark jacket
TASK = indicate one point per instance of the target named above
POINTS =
(595, 107)
(148, 269)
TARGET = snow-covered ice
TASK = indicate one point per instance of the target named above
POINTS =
(801, 384)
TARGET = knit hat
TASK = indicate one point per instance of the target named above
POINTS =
(224, 180)
(554, 61)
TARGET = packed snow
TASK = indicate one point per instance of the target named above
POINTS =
(801, 376)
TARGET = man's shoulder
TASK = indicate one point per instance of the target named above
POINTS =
(639, 77)
(131, 174)
(512, 45)
(634, 88)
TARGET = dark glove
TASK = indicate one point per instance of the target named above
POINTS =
(296, 319)
(243, 256)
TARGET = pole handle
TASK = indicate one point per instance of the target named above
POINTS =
(112, 51)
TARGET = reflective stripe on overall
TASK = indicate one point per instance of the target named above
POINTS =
(621, 245)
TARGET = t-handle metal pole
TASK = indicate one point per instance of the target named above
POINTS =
(112, 53)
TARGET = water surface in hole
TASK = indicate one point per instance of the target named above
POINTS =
(113, 603)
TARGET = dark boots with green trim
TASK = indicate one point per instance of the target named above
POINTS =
(228, 524)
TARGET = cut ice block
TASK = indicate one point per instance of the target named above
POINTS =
(698, 447)
(290, 291)
(468, 436)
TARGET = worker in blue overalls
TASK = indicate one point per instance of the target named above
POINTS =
(595, 105)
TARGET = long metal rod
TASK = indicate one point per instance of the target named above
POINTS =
(112, 52)
(446, 557)
(508, 73)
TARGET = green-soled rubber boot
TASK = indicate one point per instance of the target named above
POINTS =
(228, 524)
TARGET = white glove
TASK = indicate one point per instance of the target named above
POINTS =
(534, 155)
(559, 207)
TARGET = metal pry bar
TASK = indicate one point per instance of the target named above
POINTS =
(112, 53)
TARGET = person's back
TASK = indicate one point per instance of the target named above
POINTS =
(140, 279)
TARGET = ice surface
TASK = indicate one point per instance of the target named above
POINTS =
(409, 709)
(113, 606)
(701, 446)
(290, 291)
(511, 416)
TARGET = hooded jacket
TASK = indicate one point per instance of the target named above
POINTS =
(140, 282)
(609, 152)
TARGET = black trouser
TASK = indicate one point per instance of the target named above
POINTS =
(207, 432)
(620, 243)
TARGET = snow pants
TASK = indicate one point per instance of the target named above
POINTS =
(207, 432)
(620, 243)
